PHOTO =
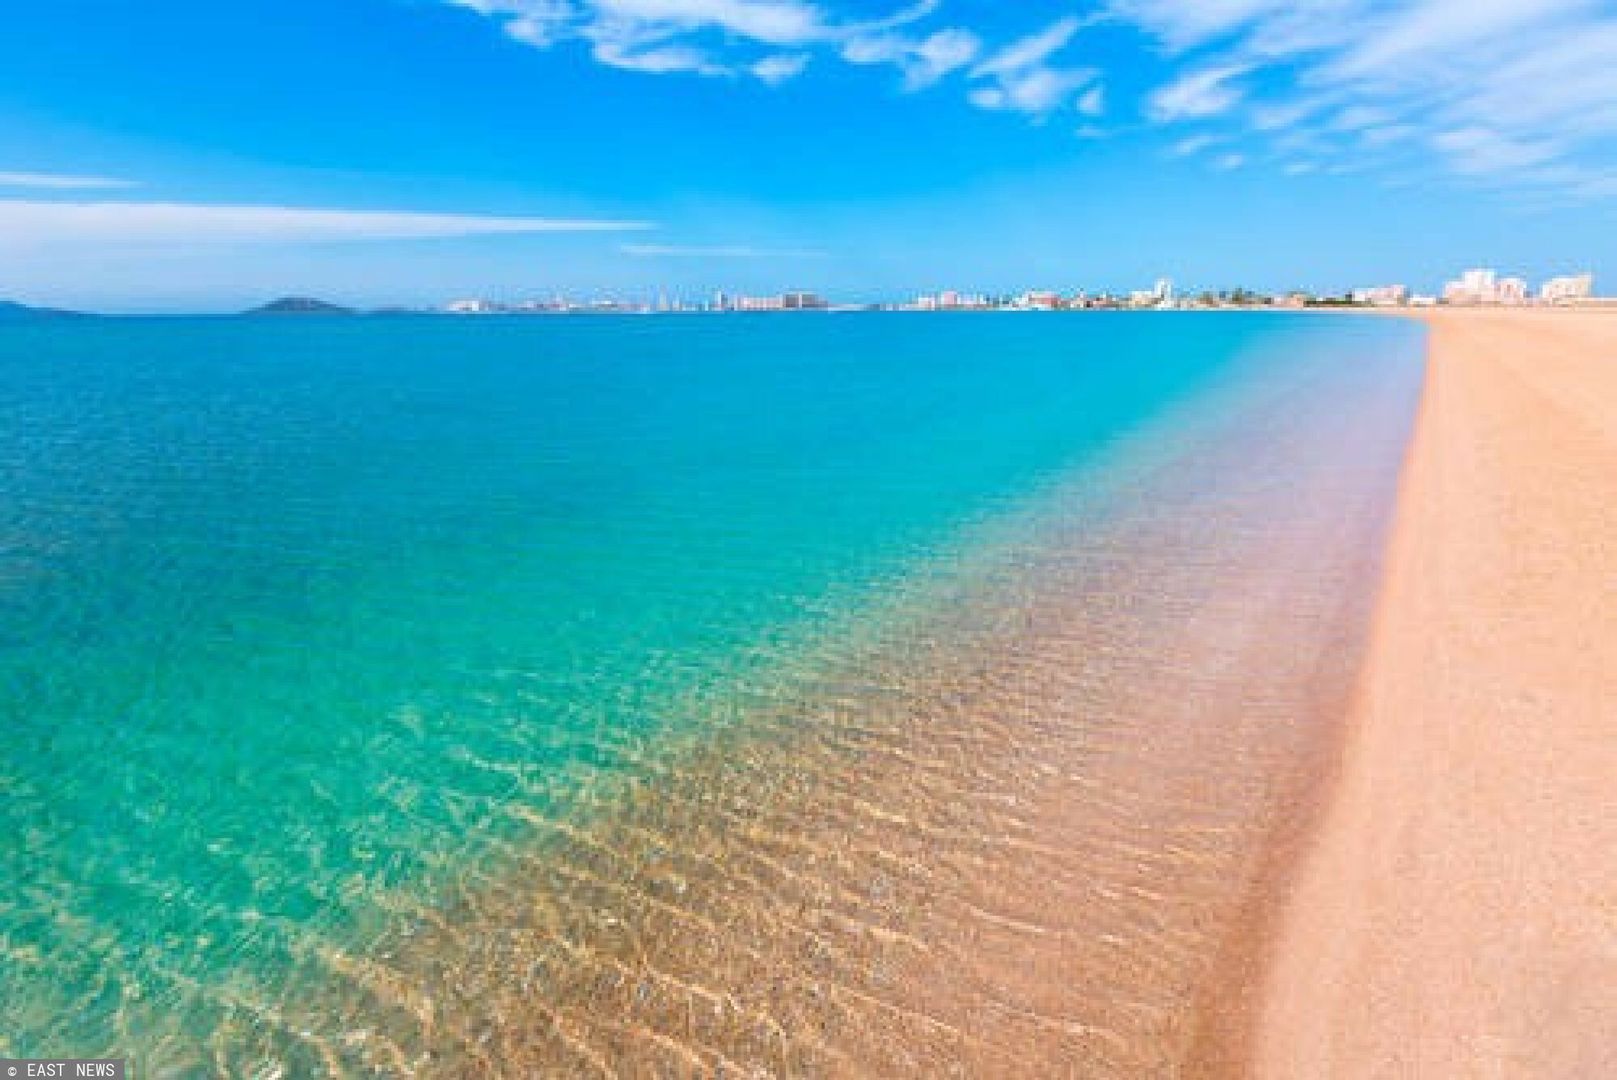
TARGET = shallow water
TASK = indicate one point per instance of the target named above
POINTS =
(820, 695)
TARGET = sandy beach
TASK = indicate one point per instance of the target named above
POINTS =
(1456, 915)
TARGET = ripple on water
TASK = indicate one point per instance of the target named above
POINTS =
(1014, 827)
(1009, 816)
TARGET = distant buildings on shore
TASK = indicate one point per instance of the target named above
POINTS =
(791, 301)
(1381, 296)
(788, 301)
(1485, 286)
(1479, 286)
(1568, 290)
(1161, 295)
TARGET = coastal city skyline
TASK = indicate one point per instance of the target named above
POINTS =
(1473, 287)
(509, 147)
(1476, 286)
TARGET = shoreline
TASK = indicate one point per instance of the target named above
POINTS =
(1454, 913)
(1026, 813)
(1017, 837)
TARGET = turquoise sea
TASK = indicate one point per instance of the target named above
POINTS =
(310, 629)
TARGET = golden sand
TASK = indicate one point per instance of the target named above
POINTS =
(1025, 833)
(1457, 914)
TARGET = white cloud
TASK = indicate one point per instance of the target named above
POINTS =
(776, 22)
(781, 67)
(1432, 28)
(1271, 28)
(1227, 162)
(1036, 91)
(923, 60)
(1360, 117)
(1022, 78)
(1032, 50)
(28, 223)
(1278, 116)
(1337, 82)
(949, 49)
(1388, 134)
(763, 38)
(1184, 24)
(1200, 93)
(1518, 90)
(1561, 82)
(1194, 144)
(668, 251)
(545, 22)
(655, 59)
(775, 40)
(1480, 150)
(60, 182)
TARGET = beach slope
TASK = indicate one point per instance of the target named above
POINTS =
(1457, 915)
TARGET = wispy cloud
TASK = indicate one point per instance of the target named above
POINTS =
(923, 60)
(1185, 24)
(728, 251)
(1513, 89)
(1021, 76)
(61, 182)
(1278, 116)
(1436, 28)
(1192, 145)
(1516, 90)
(30, 223)
(763, 38)
(1033, 50)
(775, 41)
(1481, 151)
(1037, 91)
(780, 67)
(1197, 94)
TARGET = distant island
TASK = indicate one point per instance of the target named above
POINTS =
(10, 309)
(299, 305)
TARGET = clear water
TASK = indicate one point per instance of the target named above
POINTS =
(304, 624)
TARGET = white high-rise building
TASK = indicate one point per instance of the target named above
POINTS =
(1510, 290)
(1477, 286)
(1566, 290)
(1164, 290)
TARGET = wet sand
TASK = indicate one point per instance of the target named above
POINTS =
(1456, 915)
(1024, 830)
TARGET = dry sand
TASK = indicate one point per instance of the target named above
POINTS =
(1456, 915)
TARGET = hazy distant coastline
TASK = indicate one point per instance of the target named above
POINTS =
(1479, 287)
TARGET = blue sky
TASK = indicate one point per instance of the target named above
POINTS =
(204, 155)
